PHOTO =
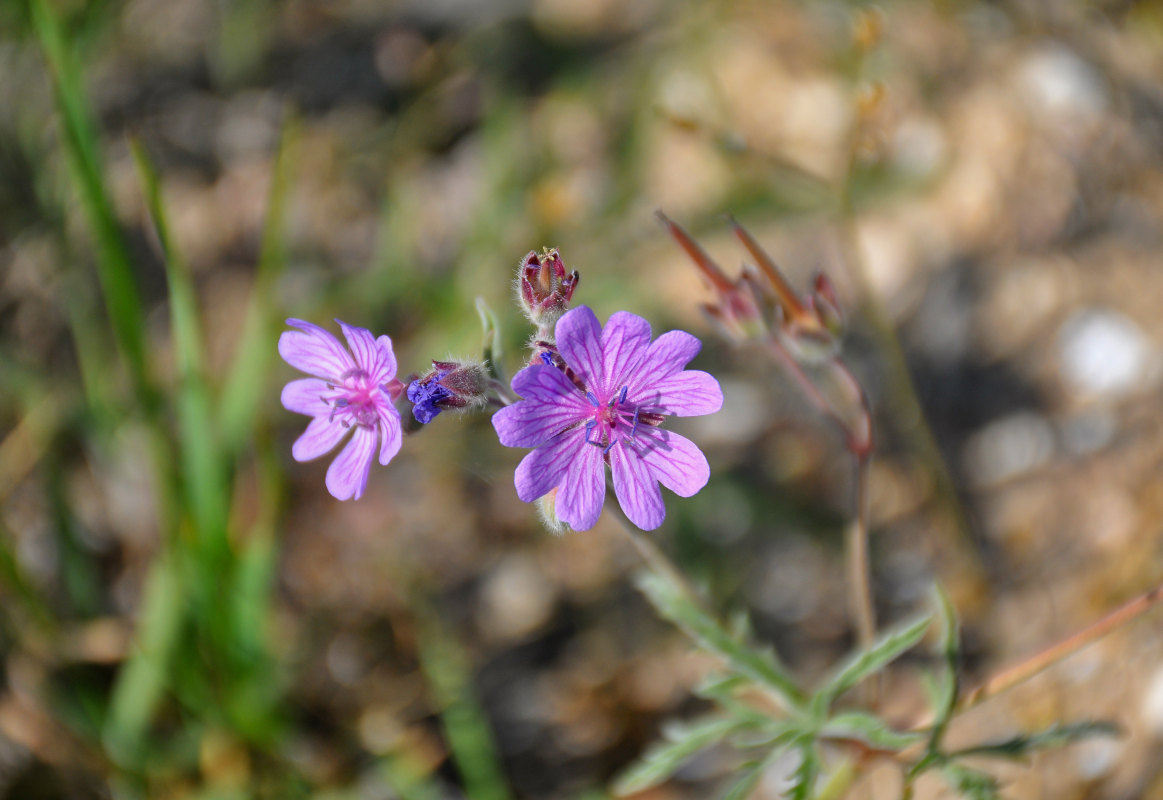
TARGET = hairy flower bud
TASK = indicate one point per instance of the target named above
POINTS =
(544, 288)
(450, 385)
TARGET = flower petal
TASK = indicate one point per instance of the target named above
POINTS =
(314, 351)
(388, 366)
(550, 405)
(391, 433)
(347, 475)
(579, 340)
(363, 346)
(636, 488)
(674, 460)
(689, 393)
(305, 396)
(625, 342)
(320, 438)
(668, 354)
(583, 488)
(545, 468)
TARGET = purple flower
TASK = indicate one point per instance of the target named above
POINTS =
(350, 391)
(606, 409)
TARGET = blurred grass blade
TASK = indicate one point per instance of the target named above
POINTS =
(114, 266)
(674, 604)
(246, 382)
(661, 760)
(883, 651)
(464, 721)
(202, 470)
(143, 678)
(870, 729)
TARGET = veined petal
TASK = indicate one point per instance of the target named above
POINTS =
(582, 489)
(673, 459)
(363, 347)
(545, 468)
(579, 340)
(529, 423)
(550, 405)
(347, 475)
(305, 396)
(689, 393)
(392, 437)
(542, 382)
(625, 342)
(388, 366)
(314, 351)
(668, 354)
(636, 488)
(319, 439)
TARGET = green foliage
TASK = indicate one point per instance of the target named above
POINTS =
(750, 673)
(864, 664)
(943, 692)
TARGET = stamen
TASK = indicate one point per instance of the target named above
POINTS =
(590, 429)
(593, 399)
(622, 397)
(547, 359)
(610, 445)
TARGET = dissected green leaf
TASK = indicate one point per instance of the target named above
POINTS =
(971, 783)
(1054, 736)
(868, 662)
(867, 728)
(744, 785)
(661, 760)
(761, 666)
(805, 775)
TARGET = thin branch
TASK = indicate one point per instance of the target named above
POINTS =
(1029, 667)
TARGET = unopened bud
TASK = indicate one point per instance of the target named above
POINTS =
(544, 288)
(450, 385)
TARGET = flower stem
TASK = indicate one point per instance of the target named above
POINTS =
(1024, 670)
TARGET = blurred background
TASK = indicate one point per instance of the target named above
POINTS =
(186, 613)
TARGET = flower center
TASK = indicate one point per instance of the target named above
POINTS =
(355, 400)
(612, 421)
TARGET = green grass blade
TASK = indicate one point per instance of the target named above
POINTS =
(114, 266)
(884, 650)
(203, 475)
(246, 382)
(464, 721)
(761, 666)
(143, 679)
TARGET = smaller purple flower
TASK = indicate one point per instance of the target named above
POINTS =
(426, 398)
(350, 391)
(605, 406)
(450, 385)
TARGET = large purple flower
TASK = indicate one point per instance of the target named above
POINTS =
(350, 391)
(607, 411)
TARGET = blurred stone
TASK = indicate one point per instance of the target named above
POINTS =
(516, 599)
(1103, 354)
(1009, 447)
